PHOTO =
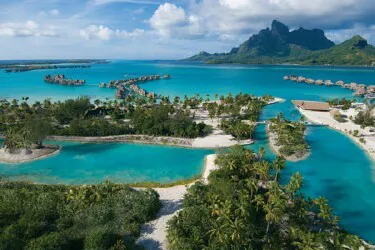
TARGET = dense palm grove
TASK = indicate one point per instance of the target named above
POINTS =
(25, 125)
(290, 135)
(244, 206)
(105, 216)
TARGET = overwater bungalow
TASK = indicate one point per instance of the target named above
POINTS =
(328, 83)
(353, 85)
(311, 105)
(62, 80)
(319, 82)
(360, 92)
(371, 89)
(301, 79)
(121, 92)
(340, 83)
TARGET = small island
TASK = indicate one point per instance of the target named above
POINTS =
(287, 138)
(24, 141)
(62, 80)
(49, 64)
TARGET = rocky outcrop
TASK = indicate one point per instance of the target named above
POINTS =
(62, 80)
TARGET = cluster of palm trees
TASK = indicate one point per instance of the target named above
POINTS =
(290, 135)
(25, 126)
(244, 206)
(366, 118)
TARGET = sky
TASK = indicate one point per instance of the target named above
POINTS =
(156, 29)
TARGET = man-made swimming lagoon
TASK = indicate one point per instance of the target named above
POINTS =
(337, 168)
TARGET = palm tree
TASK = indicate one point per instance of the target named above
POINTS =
(279, 165)
(218, 232)
(258, 201)
(252, 184)
(294, 184)
(261, 152)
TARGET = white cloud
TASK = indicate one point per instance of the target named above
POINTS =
(344, 34)
(27, 29)
(168, 15)
(172, 21)
(105, 33)
(233, 17)
(102, 2)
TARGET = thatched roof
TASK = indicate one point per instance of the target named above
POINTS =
(311, 105)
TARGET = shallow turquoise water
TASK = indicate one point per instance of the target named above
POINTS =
(82, 163)
(337, 168)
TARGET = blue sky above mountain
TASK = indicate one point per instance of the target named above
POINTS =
(152, 29)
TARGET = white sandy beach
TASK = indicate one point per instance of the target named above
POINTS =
(154, 234)
(24, 156)
(325, 118)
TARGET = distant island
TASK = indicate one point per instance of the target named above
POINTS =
(279, 45)
(23, 66)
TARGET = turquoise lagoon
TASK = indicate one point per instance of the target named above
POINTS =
(337, 168)
(82, 163)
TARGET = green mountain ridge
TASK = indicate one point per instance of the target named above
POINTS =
(280, 46)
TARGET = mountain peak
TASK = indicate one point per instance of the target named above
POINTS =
(280, 29)
(277, 44)
(357, 41)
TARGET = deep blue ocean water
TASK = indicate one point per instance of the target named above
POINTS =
(337, 168)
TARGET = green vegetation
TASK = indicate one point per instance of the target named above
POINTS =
(290, 136)
(26, 126)
(366, 118)
(105, 216)
(277, 45)
(343, 103)
(245, 207)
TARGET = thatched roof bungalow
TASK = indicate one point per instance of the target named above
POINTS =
(371, 88)
(310, 81)
(319, 82)
(328, 83)
(301, 79)
(340, 83)
(311, 105)
(353, 85)
(360, 92)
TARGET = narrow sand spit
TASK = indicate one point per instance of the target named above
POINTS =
(154, 234)
(25, 156)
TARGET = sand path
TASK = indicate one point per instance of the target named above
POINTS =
(154, 233)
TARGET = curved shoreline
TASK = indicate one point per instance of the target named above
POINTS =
(368, 150)
(275, 149)
(212, 141)
(29, 158)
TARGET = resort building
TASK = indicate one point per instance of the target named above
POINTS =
(311, 105)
